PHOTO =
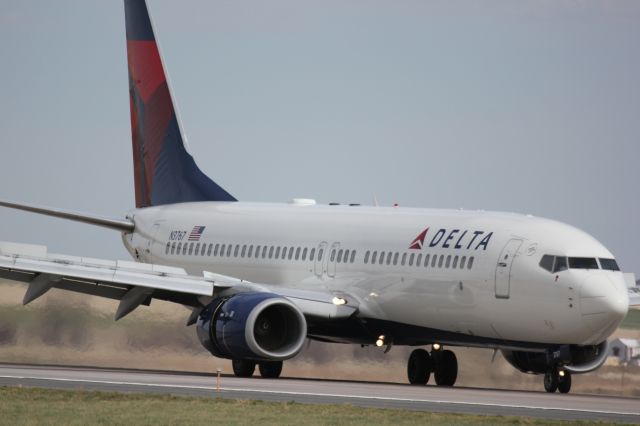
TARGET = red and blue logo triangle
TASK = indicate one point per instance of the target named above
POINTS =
(419, 241)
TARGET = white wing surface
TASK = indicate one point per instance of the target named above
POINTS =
(136, 284)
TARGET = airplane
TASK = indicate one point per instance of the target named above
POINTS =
(262, 278)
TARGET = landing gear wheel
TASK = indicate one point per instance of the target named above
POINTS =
(551, 381)
(243, 367)
(270, 369)
(564, 386)
(446, 368)
(419, 367)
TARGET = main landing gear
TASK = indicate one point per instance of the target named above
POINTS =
(245, 368)
(559, 380)
(442, 363)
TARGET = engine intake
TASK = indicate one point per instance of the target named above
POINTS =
(573, 358)
(261, 326)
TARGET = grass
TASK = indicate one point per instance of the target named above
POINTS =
(632, 320)
(33, 406)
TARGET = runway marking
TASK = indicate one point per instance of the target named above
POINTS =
(380, 398)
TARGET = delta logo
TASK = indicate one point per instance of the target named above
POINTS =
(457, 239)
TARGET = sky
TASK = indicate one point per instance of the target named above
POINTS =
(528, 106)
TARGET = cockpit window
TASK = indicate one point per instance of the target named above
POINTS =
(560, 264)
(583, 263)
(547, 262)
(553, 263)
(609, 264)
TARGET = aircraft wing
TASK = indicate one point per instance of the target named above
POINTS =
(135, 284)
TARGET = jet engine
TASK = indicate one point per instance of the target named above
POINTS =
(259, 326)
(573, 358)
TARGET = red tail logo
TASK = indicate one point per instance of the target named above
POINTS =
(419, 241)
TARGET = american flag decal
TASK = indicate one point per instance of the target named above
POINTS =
(196, 233)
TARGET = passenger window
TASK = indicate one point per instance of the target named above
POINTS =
(209, 250)
(366, 257)
(283, 253)
(333, 255)
(291, 249)
(277, 255)
(166, 250)
(298, 253)
(373, 257)
(463, 260)
(547, 262)
(404, 259)
(419, 259)
(353, 256)
(312, 254)
(339, 256)
(470, 263)
(448, 263)
(203, 249)
(258, 251)
(346, 256)
(196, 250)
(381, 261)
(173, 248)
(320, 254)
(560, 264)
(222, 250)
(426, 260)
(190, 249)
(271, 252)
(389, 255)
(304, 254)
(411, 259)
(434, 260)
(395, 258)
(264, 252)
(236, 250)
(229, 247)
(244, 251)
(455, 262)
(250, 252)
(441, 261)
(215, 249)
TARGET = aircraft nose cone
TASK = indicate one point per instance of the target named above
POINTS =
(603, 303)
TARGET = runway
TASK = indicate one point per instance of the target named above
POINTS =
(367, 394)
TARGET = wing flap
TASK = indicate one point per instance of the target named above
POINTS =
(76, 271)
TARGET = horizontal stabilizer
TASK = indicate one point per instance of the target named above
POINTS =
(122, 225)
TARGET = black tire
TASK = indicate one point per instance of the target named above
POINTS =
(446, 368)
(551, 381)
(243, 367)
(419, 367)
(270, 369)
(564, 386)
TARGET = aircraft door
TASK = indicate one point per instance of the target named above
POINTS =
(503, 268)
(333, 253)
(320, 256)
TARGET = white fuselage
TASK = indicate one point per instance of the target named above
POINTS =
(503, 295)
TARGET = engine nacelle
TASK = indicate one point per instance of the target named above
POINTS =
(573, 358)
(260, 326)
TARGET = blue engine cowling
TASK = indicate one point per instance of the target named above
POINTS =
(260, 326)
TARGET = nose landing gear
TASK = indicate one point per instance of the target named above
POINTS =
(559, 380)
(443, 363)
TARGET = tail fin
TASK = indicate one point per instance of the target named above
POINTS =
(164, 172)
